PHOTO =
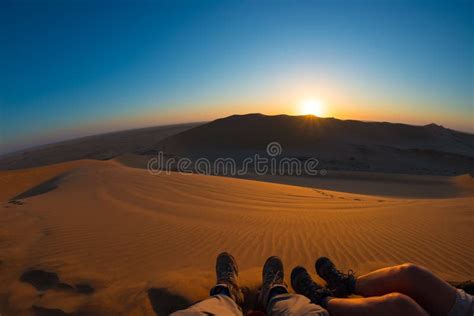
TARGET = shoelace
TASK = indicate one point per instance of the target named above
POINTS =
(336, 275)
(308, 286)
(228, 274)
(273, 276)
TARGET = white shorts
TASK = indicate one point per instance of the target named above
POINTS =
(463, 306)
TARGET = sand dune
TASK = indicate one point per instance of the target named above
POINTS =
(339, 145)
(123, 232)
(347, 145)
(368, 183)
(307, 132)
(100, 147)
(16, 182)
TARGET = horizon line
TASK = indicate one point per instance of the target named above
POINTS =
(67, 139)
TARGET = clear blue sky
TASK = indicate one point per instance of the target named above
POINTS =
(72, 68)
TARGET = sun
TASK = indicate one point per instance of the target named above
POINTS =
(312, 107)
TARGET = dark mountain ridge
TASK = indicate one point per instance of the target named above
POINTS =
(340, 144)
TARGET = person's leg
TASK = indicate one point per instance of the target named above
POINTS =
(293, 304)
(274, 296)
(391, 304)
(225, 296)
(433, 294)
(395, 304)
(215, 305)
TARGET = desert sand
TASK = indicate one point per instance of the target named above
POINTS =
(99, 147)
(146, 243)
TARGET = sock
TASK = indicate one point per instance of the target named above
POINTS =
(220, 289)
(277, 290)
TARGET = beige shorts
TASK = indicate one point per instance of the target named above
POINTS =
(463, 306)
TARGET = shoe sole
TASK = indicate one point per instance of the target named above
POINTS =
(328, 262)
(293, 275)
(234, 262)
(268, 261)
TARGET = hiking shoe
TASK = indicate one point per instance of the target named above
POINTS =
(303, 284)
(226, 273)
(341, 284)
(272, 277)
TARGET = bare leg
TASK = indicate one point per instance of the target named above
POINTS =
(394, 304)
(391, 304)
(433, 294)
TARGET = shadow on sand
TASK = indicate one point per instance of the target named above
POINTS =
(42, 188)
(165, 303)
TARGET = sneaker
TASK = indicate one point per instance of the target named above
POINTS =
(303, 284)
(341, 284)
(227, 272)
(272, 277)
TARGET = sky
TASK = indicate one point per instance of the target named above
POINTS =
(76, 68)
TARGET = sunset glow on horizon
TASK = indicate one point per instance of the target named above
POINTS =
(312, 107)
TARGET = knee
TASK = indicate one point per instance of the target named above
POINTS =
(409, 267)
(409, 271)
(398, 299)
(403, 304)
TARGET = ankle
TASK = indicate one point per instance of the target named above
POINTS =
(352, 286)
(325, 301)
(221, 289)
(272, 293)
(277, 290)
(321, 297)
